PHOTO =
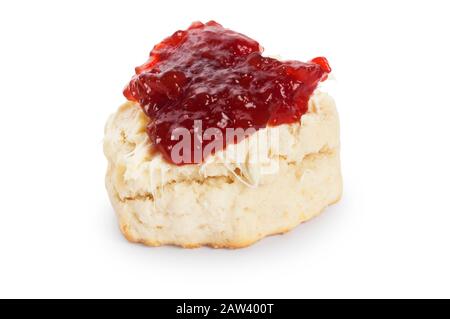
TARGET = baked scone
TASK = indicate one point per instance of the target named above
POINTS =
(232, 197)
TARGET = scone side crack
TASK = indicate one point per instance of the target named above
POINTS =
(147, 196)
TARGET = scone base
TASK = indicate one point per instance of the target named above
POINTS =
(158, 203)
(299, 192)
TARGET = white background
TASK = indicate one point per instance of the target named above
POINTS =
(63, 65)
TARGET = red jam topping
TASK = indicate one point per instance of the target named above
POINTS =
(219, 77)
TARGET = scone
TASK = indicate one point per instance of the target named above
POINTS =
(220, 146)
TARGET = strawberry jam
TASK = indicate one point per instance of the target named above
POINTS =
(219, 77)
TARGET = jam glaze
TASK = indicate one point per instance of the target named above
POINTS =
(219, 77)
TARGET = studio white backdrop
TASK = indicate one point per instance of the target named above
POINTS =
(63, 65)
